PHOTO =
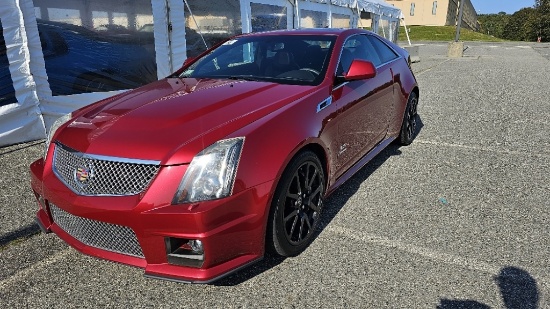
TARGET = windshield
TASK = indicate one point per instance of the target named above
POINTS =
(286, 59)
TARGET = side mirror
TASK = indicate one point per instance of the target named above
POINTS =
(360, 69)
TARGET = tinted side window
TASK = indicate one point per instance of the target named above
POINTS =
(357, 47)
(366, 51)
(385, 53)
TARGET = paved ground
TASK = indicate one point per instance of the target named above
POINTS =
(457, 220)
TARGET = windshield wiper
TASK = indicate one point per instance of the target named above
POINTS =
(242, 77)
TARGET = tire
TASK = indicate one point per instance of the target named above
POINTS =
(296, 207)
(408, 127)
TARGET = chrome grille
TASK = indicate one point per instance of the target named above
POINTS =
(88, 174)
(102, 235)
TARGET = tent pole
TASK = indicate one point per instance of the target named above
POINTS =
(359, 14)
(298, 21)
(383, 30)
(196, 24)
(406, 31)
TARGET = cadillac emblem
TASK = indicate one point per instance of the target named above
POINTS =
(83, 176)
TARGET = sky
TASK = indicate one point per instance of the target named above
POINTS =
(495, 6)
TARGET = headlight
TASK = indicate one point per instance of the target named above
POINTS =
(57, 123)
(212, 172)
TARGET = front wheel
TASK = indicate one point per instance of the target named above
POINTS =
(296, 207)
(408, 127)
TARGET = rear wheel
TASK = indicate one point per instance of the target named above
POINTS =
(408, 127)
(296, 206)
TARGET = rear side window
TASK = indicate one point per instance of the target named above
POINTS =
(385, 53)
(365, 50)
(357, 47)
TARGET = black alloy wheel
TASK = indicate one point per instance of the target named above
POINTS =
(409, 126)
(297, 205)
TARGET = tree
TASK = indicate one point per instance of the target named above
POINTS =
(543, 6)
(493, 24)
(522, 25)
(527, 24)
(543, 19)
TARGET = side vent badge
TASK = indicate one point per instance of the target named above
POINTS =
(324, 104)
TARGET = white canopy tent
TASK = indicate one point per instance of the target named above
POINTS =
(379, 7)
(57, 56)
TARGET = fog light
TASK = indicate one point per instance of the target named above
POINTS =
(196, 246)
(184, 252)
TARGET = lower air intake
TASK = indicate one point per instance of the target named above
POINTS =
(102, 235)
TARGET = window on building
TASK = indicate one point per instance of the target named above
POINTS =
(434, 8)
(412, 9)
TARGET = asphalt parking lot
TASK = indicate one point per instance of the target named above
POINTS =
(458, 219)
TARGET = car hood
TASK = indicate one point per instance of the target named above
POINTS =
(156, 121)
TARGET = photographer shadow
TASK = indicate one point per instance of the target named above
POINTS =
(517, 287)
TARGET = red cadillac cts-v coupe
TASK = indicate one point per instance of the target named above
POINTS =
(195, 176)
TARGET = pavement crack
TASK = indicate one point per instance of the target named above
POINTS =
(430, 68)
(429, 253)
(488, 149)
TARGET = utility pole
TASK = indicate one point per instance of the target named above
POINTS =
(456, 48)
(459, 21)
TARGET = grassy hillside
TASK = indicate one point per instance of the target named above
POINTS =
(443, 33)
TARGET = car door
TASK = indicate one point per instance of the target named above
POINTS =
(364, 104)
(388, 58)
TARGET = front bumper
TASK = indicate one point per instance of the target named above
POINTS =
(230, 229)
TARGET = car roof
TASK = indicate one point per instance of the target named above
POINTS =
(304, 31)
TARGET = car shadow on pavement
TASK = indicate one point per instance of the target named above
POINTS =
(22, 232)
(332, 207)
(269, 261)
(517, 288)
(340, 197)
